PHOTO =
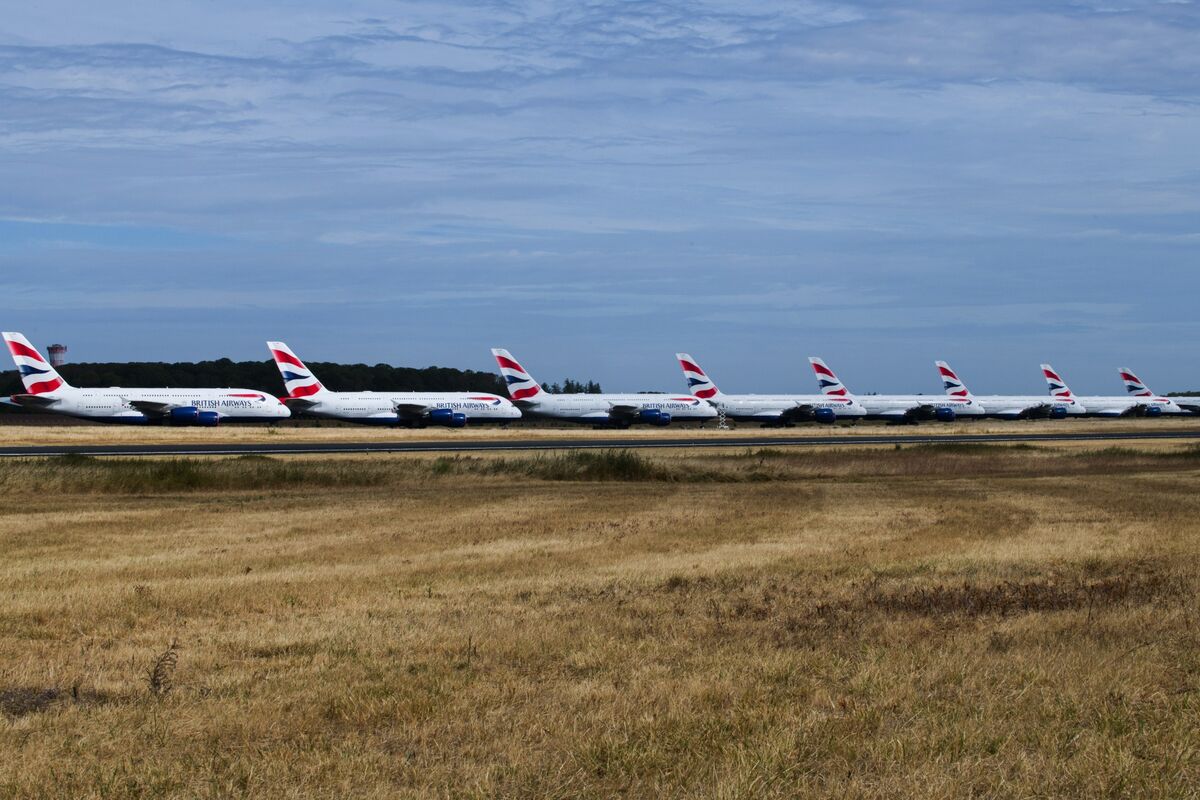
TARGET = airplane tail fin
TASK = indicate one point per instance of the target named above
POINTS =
(521, 385)
(952, 383)
(1058, 387)
(1134, 386)
(699, 384)
(297, 378)
(828, 382)
(36, 373)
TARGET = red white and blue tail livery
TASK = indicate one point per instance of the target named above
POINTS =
(901, 408)
(1133, 385)
(521, 385)
(307, 395)
(1058, 387)
(826, 380)
(699, 384)
(771, 410)
(46, 390)
(37, 375)
(1005, 406)
(601, 410)
(1148, 399)
(950, 381)
(1137, 402)
(297, 378)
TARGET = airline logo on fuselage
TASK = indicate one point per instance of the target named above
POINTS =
(675, 403)
(463, 405)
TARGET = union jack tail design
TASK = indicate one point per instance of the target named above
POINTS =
(952, 383)
(297, 378)
(36, 373)
(1134, 386)
(828, 382)
(1058, 387)
(521, 385)
(699, 384)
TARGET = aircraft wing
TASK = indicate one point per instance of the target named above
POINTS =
(152, 408)
(1037, 411)
(801, 412)
(900, 414)
(623, 411)
(411, 410)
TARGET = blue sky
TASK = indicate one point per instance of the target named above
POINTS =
(598, 185)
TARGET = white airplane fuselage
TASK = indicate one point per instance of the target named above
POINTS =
(783, 408)
(116, 404)
(1006, 406)
(900, 406)
(1122, 405)
(389, 408)
(598, 409)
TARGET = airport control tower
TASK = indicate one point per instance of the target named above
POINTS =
(58, 354)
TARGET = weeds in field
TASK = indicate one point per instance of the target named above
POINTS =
(162, 675)
(115, 475)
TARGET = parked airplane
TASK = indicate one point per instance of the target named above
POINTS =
(1130, 405)
(45, 389)
(1011, 406)
(307, 395)
(899, 407)
(772, 410)
(1187, 403)
(605, 410)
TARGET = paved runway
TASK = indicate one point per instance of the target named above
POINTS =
(607, 443)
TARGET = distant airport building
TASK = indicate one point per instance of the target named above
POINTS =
(58, 354)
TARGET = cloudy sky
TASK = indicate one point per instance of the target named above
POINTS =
(596, 185)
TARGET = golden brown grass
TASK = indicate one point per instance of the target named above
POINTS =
(77, 434)
(927, 622)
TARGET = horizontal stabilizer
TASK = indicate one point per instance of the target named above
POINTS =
(34, 400)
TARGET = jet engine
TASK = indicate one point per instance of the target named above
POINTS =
(188, 415)
(944, 414)
(825, 416)
(447, 417)
(1057, 412)
(652, 416)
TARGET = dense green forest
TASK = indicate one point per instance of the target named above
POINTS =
(263, 376)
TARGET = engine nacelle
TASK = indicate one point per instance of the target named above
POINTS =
(652, 416)
(944, 414)
(1152, 411)
(188, 415)
(1057, 412)
(208, 419)
(448, 417)
(825, 416)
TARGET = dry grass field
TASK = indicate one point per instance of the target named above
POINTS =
(918, 622)
(99, 433)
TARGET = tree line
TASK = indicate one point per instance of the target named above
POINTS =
(263, 376)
